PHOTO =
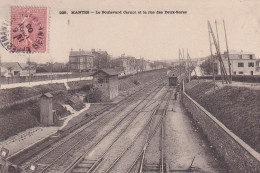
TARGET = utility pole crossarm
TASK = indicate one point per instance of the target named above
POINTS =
(218, 53)
(229, 64)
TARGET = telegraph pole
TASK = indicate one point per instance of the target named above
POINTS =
(29, 63)
(183, 61)
(218, 53)
(188, 64)
(212, 59)
(221, 68)
(67, 71)
(180, 61)
(0, 71)
(229, 64)
(51, 61)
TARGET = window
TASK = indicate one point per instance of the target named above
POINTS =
(235, 73)
(252, 73)
(251, 64)
(251, 56)
(240, 64)
(240, 56)
(100, 80)
(240, 72)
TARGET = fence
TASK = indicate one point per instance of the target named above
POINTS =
(239, 156)
(23, 79)
(238, 78)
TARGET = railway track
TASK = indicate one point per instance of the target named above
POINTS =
(154, 125)
(79, 167)
(145, 166)
(54, 154)
(142, 163)
(85, 164)
(86, 167)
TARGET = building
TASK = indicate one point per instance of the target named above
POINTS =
(129, 64)
(46, 111)
(147, 65)
(27, 69)
(101, 59)
(4, 71)
(59, 67)
(81, 60)
(257, 67)
(106, 81)
(9, 69)
(242, 63)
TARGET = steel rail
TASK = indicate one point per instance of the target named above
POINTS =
(135, 138)
(85, 154)
(117, 106)
(87, 137)
(146, 144)
(130, 122)
(142, 153)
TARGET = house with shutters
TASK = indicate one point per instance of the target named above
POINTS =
(241, 63)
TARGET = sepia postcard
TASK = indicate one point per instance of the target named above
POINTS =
(129, 86)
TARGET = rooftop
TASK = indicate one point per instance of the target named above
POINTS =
(80, 53)
(12, 65)
(47, 95)
(239, 52)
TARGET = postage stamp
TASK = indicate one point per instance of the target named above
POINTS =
(28, 29)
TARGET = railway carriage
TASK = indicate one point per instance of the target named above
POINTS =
(173, 80)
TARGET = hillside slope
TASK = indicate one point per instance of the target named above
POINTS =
(238, 108)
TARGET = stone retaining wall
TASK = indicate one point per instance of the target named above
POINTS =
(239, 156)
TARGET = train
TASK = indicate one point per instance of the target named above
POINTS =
(173, 79)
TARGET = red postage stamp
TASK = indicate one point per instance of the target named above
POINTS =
(28, 29)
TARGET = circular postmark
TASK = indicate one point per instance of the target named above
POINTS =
(28, 28)
(5, 35)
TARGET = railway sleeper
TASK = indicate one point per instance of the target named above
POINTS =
(85, 166)
(154, 167)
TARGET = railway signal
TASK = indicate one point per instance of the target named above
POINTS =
(5, 165)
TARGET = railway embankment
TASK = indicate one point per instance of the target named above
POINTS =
(21, 116)
(229, 117)
(24, 115)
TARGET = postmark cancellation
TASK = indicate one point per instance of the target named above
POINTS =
(28, 29)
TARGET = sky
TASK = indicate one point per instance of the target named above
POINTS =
(152, 36)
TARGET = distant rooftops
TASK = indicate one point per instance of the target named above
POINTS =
(239, 52)
(12, 65)
(80, 52)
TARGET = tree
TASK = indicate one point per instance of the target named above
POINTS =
(206, 67)
(101, 59)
